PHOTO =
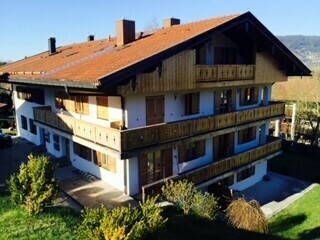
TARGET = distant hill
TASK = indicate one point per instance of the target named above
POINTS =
(306, 48)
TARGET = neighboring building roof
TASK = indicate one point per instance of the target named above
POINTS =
(305, 89)
(3, 105)
(100, 62)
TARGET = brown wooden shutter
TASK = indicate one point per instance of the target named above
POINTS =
(216, 145)
(182, 153)
(255, 95)
(201, 148)
(167, 161)
(143, 167)
(112, 164)
(155, 110)
(85, 104)
(217, 102)
(231, 144)
(102, 108)
(195, 102)
(234, 100)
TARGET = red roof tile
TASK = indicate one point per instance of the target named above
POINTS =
(91, 61)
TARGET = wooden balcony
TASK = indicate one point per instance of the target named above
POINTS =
(108, 137)
(216, 73)
(215, 169)
(127, 140)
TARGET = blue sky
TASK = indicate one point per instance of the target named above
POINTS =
(26, 25)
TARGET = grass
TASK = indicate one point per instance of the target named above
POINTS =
(53, 223)
(301, 220)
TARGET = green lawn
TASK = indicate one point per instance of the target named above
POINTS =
(301, 220)
(54, 223)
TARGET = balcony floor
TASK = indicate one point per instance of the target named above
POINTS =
(91, 194)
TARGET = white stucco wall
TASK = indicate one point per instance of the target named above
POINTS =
(114, 179)
(260, 171)
(135, 107)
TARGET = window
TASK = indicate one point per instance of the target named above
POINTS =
(35, 95)
(105, 161)
(33, 128)
(155, 165)
(246, 173)
(56, 142)
(225, 55)
(60, 99)
(191, 151)
(78, 104)
(82, 151)
(228, 181)
(201, 54)
(224, 102)
(192, 103)
(247, 135)
(24, 123)
(102, 108)
(224, 146)
(248, 96)
(81, 104)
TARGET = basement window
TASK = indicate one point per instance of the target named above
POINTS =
(246, 173)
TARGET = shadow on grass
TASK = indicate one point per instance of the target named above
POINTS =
(287, 222)
(187, 227)
(310, 234)
(62, 211)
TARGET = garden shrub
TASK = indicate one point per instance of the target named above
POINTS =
(205, 205)
(34, 186)
(127, 223)
(247, 215)
(180, 193)
(190, 200)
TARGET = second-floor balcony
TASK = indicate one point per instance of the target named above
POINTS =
(216, 73)
(130, 139)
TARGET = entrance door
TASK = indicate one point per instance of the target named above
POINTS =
(155, 109)
(66, 148)
(155, 166)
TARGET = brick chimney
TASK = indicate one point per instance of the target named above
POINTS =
(52, 45)
(90, 38)
(169, 22)
(126, 32)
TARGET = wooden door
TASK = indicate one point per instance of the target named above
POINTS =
(154, 109)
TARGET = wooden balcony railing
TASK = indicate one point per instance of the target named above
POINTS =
(105, 136)
(126, 140)
(215, 73)
(212, 170)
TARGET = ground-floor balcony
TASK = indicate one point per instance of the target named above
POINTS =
(213, 170)
(131, 139)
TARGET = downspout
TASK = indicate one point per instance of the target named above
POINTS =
(123, 112)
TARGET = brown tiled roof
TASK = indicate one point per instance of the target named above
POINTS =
(297, 89)
(91, 61)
